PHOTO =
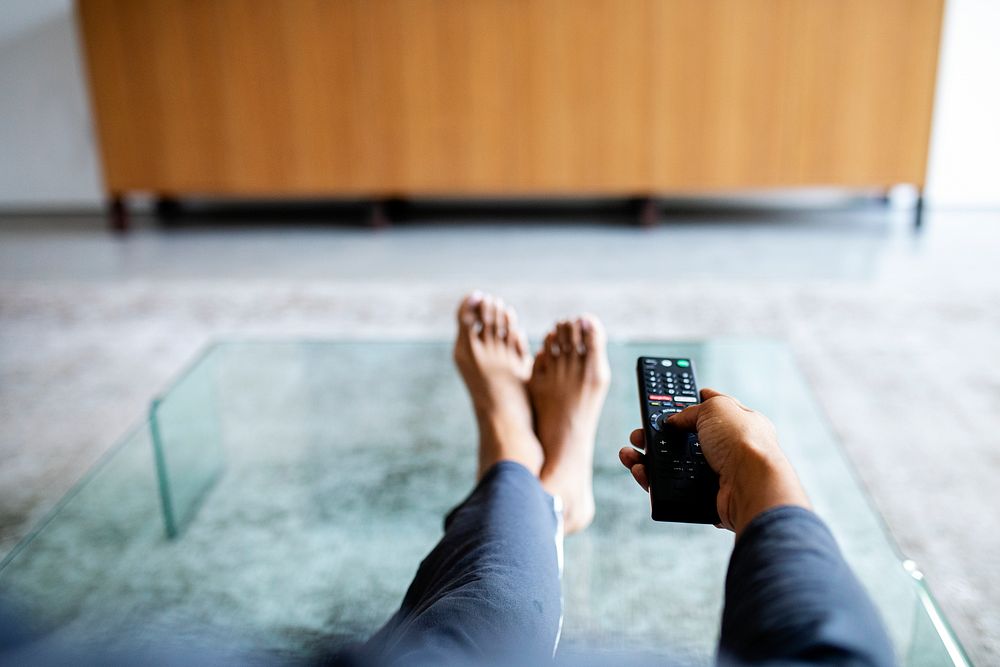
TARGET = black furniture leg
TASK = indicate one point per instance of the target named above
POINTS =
(646, 211)
(378, 214)
(918, 211)
(118, 216)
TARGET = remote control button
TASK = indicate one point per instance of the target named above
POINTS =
(650, 362)
(656, 403)
(683, 363)
(667, 362)
(654, 420)
(685, 399)
(658, 397)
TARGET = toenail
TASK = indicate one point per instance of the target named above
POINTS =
(586, 325)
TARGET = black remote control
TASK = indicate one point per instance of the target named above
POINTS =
(682, 486)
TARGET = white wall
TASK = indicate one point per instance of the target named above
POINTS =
(48, 156)
(964, 165)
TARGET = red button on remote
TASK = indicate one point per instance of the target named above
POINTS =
(658, 397)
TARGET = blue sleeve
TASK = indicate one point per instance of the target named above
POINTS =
(792, 599)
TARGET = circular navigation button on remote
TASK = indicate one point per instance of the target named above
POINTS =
(654, 420)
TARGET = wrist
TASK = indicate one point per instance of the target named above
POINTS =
(763, 480)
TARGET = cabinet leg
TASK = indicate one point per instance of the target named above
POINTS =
(378, 214)
(918, 211)
(385, 211)
(118, 215)
(646, 211)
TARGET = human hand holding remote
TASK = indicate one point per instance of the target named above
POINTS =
(742, 447)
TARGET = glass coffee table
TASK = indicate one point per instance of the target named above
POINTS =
(280, 495)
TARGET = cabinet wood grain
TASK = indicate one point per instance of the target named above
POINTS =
(509, 97)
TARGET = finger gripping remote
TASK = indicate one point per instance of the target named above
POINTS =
(682, 486)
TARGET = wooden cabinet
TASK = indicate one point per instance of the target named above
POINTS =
(509, 97)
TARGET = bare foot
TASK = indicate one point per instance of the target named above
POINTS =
(568, 386)
(491, 353)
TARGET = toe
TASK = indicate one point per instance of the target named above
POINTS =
(564, 337)
(469, 324)
(513, 325)
(595, 348)
(496, 321)
(488, 317)
(576, 337)
(513, 335)
(468, 310)
(501, 317)
(505, 324)
(551, 345)
(593, 333)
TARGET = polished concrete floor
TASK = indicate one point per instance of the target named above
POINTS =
(896, 330)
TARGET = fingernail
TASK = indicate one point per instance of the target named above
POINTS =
(585, 324)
